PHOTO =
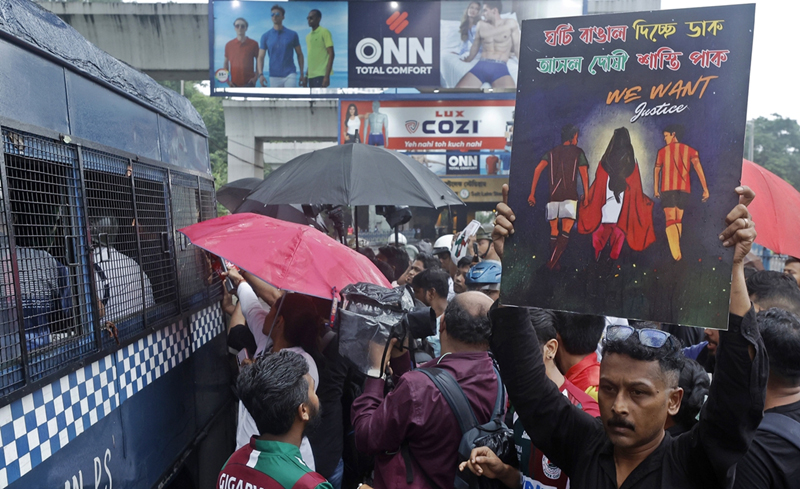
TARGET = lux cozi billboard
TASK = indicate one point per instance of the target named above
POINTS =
(430, 126)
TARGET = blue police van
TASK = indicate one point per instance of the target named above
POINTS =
(113, 368)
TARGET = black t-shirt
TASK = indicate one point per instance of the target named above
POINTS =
(772, 461)
(240, 337)
(328, 438)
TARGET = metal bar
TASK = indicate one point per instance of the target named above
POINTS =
(174, 260)
(138, 244)
(12, 251)
(98, 334)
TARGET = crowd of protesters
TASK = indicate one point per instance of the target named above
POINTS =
(591, 402)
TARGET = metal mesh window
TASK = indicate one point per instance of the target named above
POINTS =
(11, 374)
(122, 290)
(208, 210)
(155, 235)
(44, 194)
(194, 270)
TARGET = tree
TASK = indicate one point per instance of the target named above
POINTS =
(210, 109)
(777, 147)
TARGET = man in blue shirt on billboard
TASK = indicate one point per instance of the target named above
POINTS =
(279, 42)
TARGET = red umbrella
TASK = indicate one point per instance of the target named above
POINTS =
(774, 210)
(286, 255)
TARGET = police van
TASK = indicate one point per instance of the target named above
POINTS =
(113, 365)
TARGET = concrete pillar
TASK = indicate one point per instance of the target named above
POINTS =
(242, 154)
(299, 126)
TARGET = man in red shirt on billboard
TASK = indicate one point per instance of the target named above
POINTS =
(240, 57)
(672, 182)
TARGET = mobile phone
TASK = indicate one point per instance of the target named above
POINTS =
(228, 282)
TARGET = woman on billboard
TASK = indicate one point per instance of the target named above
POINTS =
(352, 123)
(468, 25)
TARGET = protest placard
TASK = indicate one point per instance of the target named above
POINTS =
(629, 138)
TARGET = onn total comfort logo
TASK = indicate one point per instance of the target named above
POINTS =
(397, 22)
(395, 55)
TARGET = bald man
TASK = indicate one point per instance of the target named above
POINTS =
(415, 414)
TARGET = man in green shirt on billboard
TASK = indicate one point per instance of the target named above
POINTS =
(319, 45)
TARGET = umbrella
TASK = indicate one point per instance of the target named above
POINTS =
(289, 256)
(232, 195)
(777, 231)
(354, 174)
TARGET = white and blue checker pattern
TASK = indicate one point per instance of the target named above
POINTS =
(142, 362)
(36, 426)
(206, 325)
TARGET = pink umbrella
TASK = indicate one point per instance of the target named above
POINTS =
(774, 210)
(286, 255)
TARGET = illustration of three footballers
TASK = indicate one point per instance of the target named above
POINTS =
(614, 208)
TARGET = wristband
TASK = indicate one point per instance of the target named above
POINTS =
(374, 373)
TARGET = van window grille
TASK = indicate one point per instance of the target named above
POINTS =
(191, 260)
(155, 236)
(122, 291)
(208, 210)
(45, 198)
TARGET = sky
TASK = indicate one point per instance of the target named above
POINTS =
(773, 76)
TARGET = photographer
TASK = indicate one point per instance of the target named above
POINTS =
(412, 431)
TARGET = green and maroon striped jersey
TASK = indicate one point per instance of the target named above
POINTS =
(269, 465)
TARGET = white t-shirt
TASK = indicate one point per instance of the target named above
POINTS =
(612, 208)
(254, 314)
(120, 284)
(353, 125)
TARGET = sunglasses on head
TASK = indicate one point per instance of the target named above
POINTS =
(654, 338)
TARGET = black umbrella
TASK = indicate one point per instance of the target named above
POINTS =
(233, 195)
(354, 174)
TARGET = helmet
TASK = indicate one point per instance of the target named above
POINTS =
(412, 251)
(484, 232)
(401, 239)
(444, 243)
(487, 272)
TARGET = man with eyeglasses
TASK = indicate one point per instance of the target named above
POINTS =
(319, 46)
(638, 389)
(240, 57)
(281, 43)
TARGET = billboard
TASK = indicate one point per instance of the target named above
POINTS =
(263, 48)
(630, 131)
(268, 47)
(477, 189)
(430, 126)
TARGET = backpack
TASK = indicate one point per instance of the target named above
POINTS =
(782, 426)
(494, 434)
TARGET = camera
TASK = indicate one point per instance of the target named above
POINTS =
(371, 314)
(417, 324)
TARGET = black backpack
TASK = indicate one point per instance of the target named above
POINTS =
(494, 434)
(782, 426)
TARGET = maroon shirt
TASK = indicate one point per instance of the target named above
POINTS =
(416, 411)
(565, 162)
